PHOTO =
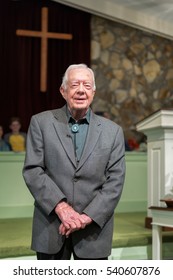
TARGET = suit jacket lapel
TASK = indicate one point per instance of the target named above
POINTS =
(63, 132)
(91, 140)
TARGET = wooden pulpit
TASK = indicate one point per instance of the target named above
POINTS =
(158, 127)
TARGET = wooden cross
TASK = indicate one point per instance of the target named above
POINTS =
(44, 35)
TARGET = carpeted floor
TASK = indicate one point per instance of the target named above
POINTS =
(15, 235)
(129, 231)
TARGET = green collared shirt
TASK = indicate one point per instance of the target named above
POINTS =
(79, 137)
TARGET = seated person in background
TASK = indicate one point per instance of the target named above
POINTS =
(3, 145)
(133, 144)
(137, 141)
(143, 143)
(16, 139)
(127, 147)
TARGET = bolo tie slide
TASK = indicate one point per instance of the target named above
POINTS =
(75, 128)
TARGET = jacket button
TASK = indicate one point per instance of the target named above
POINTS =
(75, 179)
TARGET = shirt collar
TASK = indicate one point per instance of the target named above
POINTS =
(86, 117)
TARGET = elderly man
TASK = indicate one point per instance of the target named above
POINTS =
(75, 170)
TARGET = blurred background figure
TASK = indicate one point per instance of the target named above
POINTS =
(16, 139)
(3, 145)
(136, 141)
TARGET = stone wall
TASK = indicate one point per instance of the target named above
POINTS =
(134, 71)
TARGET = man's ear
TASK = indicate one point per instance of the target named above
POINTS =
(62, 91)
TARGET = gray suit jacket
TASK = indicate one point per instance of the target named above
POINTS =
(94, 186)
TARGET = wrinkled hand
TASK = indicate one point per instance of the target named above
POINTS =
(71, 220)
(84, 220)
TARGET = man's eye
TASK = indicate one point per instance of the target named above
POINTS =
(87, 86)
(74, 85)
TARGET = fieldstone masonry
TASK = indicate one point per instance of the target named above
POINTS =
(134, 71)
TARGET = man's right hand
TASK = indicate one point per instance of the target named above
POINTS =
(69, 218)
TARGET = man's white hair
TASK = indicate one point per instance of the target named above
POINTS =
(77, 66)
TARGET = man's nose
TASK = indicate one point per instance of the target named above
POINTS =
(81, 87)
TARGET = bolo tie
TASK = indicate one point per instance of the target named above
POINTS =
(75, 129)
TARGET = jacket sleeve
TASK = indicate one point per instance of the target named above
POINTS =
(45, 192)
(102, 207)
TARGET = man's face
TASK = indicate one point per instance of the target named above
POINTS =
(79, 92)
(15, 126)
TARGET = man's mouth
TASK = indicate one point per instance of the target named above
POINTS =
(80, 99)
